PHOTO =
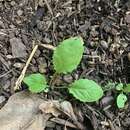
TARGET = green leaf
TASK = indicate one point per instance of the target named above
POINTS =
(68, 54)
(36, 82)
(119, 86)
(127, 88)
(121, 100)
(86, 90)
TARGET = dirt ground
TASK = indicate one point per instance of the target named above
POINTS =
(105, 27)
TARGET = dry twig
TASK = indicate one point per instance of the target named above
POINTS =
(48, 6)
(3, 75)
(47, 46)
(63, 122)
(19, 80)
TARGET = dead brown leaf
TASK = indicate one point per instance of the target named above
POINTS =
(67, 108)
(50, 107)
(21, 112)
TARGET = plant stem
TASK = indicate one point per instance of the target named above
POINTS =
(60, 87)
(53, 79)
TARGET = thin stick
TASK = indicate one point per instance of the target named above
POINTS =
(47, 46)
(63, 122)
(1, 76)
(48, 6)
(19, 80)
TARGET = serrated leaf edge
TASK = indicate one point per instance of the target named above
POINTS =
(54, 63)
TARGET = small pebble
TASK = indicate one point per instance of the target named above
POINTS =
(12, 3)
(2, 99)
(20, 12)
(9, 56)
(104, 44)
(68, 78)
(18, 65)
(12, 26)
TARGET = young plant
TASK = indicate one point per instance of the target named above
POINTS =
(110, 85)
(66, 58)
(122, 98)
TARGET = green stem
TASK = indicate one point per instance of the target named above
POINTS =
(53, 79)
(60, 87)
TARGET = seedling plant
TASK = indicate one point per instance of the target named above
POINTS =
(122, 97)
(122, 90)
(66, 58)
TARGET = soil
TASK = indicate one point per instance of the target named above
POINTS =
(105, 27)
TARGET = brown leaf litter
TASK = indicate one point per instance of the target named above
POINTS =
(26, 111)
